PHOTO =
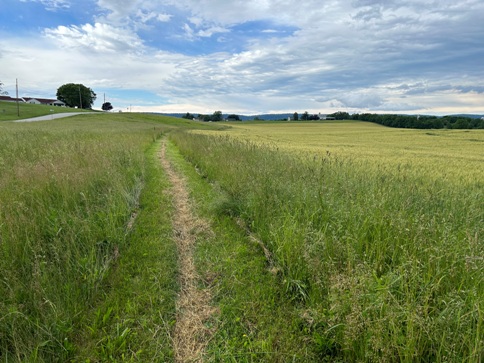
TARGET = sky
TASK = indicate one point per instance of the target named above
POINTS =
(250, 57)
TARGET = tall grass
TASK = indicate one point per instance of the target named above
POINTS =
(134, 320)
(384, 264)
(67, 193)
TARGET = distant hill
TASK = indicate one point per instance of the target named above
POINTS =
(467, 115)
(265, 117)
(284, 116)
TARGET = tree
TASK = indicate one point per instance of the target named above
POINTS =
(107, 106)
(340, 115)
(188, 116)
(76, 95)
(233, 117)
(2, 92)
(295, 117)
(205, 118)
(305, 116)
(217, 116)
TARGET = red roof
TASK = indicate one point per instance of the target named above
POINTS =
(8, 98)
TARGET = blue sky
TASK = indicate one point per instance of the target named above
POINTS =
(252, 56)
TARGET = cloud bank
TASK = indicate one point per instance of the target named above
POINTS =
(256, 56)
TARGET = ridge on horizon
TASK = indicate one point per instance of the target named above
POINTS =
(280, 116)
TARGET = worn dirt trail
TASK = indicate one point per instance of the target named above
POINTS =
(193, 304)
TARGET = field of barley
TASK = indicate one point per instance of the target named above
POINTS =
(434, 154)
(375, 233)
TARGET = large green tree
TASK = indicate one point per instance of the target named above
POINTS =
(76, 95)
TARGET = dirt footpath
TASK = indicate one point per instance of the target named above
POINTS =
(193, 303)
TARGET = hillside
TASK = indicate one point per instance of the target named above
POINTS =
(10, 112)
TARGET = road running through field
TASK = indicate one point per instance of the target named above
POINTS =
(55, 116)
(193, 308)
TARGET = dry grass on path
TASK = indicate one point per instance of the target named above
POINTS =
(193, 304)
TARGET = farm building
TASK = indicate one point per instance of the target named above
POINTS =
(325, 117)
(44, 101)
(35, 101)
(10, 99)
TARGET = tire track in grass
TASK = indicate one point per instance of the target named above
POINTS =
(193, 304)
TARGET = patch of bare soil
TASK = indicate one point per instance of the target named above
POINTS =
(191, 334)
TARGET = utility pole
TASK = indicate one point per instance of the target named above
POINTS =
(16, 88)
(80, 97)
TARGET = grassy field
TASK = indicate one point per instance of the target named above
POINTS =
(68, 192)
(434, 154)
(331, 241)
(75, 268)
(375, 233)
(10, 112)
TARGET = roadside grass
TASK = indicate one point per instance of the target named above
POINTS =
(77, 281)
(380, 264)
(9, 111)
(255, 321)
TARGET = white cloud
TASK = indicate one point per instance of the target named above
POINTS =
(45, 67)
(189, 32)
(51, 5)
(196, 21)
(164, 17)
(145, 16)
(363, 99)
(212, 30)
(98, 37)
(118, 10)
(364, 54)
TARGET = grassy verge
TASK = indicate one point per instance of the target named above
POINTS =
(374, 265)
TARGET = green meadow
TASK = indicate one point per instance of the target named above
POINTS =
(375, 233)
(10, 111)
(330, 241)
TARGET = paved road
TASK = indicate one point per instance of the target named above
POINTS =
(54, 116)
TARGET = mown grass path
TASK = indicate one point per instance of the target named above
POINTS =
(193, 303)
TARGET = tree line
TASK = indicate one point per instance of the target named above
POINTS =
(405, 121)
(216, 116)
(421, 122)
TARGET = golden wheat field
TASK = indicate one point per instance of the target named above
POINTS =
(454, 155)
